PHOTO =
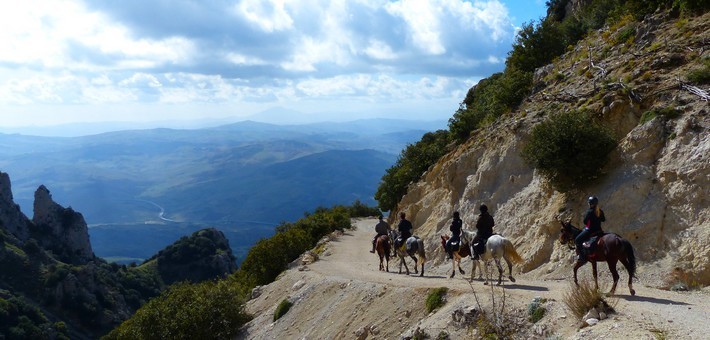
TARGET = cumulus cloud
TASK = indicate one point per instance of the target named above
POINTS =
(248, 51)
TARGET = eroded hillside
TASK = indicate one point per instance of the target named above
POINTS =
(655, 188)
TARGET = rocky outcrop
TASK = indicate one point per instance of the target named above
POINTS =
(11, 218)
(62, 230)
(205, 255)
(654, 190)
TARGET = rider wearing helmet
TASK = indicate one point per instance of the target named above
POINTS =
(484, 225)
(592, 226)
(455, 228)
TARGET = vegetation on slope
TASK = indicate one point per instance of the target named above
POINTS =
(536, 45)
(216, 309)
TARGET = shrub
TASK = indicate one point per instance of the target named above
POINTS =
(359, 209)
(580, 299)
(209, 310)
(700, 75)
(668, 112)
(536, 310)
(282, 308)
(436, 299)
(568, 149)
(412, 163)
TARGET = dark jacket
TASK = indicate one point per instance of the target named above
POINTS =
(405, 229)
(382, 228)
(594, 222)
(484, 225)
(455, 228)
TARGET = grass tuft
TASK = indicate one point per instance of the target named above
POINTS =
(580, 299)
(436, 299)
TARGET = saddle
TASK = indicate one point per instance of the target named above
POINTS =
(591, 244)
(454, 246)
(410, 243)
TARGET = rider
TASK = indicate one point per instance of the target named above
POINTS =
(404, 228)
(592, 226)
(382, 228)
(484, 225)
(455, 228)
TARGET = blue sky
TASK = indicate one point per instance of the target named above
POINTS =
(69, 61)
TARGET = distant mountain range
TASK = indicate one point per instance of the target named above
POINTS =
(140, 190)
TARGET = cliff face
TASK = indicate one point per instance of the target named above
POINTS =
(655, 189)
(48, 262)
(11, 218)
(61, 229)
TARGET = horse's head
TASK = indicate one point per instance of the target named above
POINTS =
(567, 234)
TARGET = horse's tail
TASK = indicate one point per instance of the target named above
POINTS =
(420, 251)
(514, 256)
(629, 250)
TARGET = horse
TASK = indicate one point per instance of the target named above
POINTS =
(463, 251)
(610, 247)
(496, 247)
(411, 246)
(382, 245)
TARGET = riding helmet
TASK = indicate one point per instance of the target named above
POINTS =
(593, 200)
(483, 208)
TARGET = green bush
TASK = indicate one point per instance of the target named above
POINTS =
(569, 149)
(359, 209)
(412, 163)
(536, 310)
(436, 299)
(700, 75)
(668, 112)
(282, 308)
(208, 310)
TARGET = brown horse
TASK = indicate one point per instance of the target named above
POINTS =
(610, 248)
(463, 251)
(382, 245)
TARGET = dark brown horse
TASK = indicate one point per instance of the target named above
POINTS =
(463, 251)
(382, 246)
(610, 248)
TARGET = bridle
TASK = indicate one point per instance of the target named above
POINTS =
(567, 235)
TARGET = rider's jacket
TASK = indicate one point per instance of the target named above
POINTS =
(455, 228)
(485, 225)
(405, 228)
(382, 228)
(593, 220)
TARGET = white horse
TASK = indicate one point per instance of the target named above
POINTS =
(496, 247)
(409, 247)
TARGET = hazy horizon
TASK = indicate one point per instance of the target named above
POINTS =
(134, 62)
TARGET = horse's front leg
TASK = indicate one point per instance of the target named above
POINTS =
(416, 270)
(459, 264)
(576, 266)
(453, 267)
(594, 272)
(486, 274)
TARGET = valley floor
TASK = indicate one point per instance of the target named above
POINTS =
(344, 296)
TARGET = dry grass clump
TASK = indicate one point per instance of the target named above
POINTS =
(580, 299)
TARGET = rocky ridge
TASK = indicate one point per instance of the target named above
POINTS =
(655, 189)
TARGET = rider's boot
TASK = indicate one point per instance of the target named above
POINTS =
(373, 247)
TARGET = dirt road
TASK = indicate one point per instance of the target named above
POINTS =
(344, 295)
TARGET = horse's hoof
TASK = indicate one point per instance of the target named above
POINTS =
(452, 275)
(633, 292)
(462, 272)
(511, 279)
(485, 283)
(422, 274)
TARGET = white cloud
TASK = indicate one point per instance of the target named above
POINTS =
(376, 51)
(379, 50)
(269, 15)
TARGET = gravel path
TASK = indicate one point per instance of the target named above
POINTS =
(344, 292)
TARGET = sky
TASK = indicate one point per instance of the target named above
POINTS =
(143, 61)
